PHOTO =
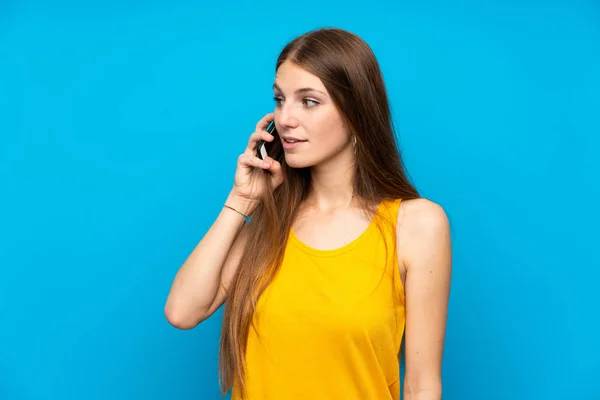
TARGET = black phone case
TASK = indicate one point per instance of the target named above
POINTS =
(270, 129)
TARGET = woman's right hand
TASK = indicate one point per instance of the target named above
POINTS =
(249, 182)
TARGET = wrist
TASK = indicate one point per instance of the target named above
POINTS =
(241, 204)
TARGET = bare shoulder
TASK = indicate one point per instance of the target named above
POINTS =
(421, 214)
(422, 228)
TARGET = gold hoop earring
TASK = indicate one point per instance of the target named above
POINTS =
(354, 144)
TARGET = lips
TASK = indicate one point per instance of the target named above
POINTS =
(290, 144)
(291, 139)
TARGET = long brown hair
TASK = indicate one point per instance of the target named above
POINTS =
(350, 72)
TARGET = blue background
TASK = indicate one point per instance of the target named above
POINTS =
(106, 115)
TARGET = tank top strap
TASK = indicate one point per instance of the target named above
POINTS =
(388, 216)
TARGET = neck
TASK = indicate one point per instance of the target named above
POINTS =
(333, 183)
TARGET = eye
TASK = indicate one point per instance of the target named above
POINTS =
(309, 103)
(277, 101)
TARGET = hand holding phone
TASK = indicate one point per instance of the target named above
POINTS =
(263, 153)
(274, 148)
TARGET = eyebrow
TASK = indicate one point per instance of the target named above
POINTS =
(299, 91)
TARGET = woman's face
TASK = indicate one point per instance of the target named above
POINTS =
(311, 127)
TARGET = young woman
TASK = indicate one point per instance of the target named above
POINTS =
(341, 259)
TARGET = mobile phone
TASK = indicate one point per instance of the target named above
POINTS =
(273, 149)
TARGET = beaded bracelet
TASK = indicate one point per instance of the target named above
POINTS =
(246, 218)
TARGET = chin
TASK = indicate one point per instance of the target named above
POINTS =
(294, 161)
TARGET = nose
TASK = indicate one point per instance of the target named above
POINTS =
(286, 117)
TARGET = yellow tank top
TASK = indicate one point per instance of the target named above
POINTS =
(330, 324)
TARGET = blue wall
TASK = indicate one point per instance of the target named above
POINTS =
(106, 185)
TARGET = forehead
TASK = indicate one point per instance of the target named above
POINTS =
(290, 77)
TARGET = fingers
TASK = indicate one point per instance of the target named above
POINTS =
(264, 122)
(257, 137)
(260, 133)
(274, 166)
(248, 160)
(276, 170)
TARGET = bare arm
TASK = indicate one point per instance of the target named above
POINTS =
(199, 288)
(424, 239)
